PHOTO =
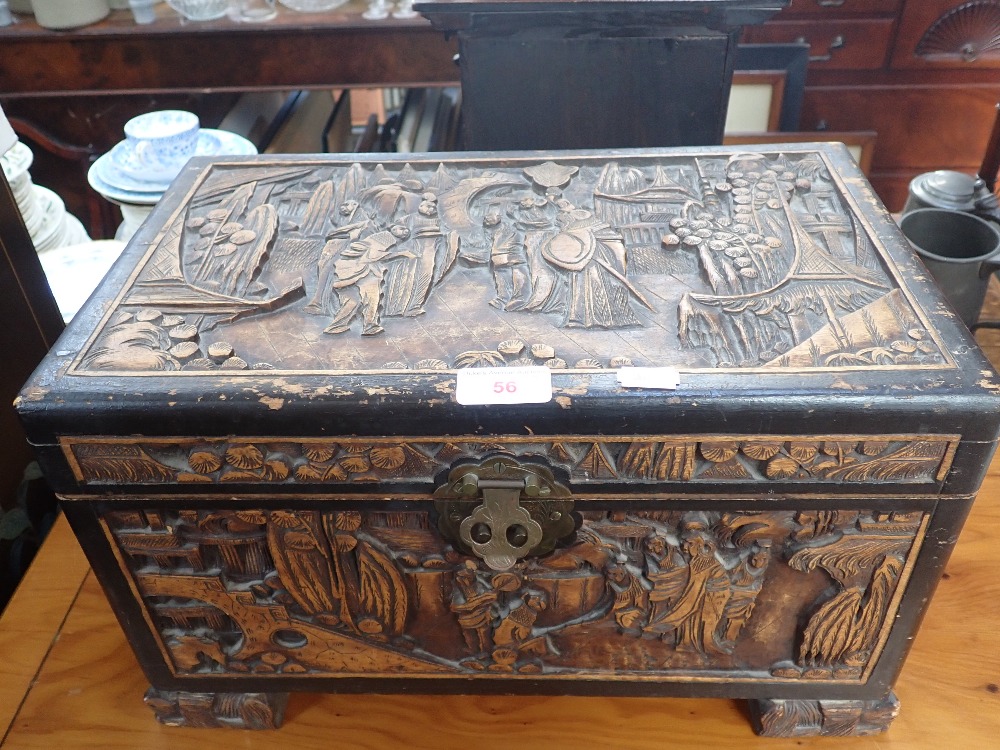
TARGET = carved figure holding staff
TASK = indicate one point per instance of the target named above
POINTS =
(359, 274)
(336, 241)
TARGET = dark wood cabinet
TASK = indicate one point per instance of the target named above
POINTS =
(585, 75)
(922, 73)
(81, 86)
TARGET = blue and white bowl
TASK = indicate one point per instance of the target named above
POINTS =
(105, 177)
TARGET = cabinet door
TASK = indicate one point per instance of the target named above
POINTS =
(948, 34)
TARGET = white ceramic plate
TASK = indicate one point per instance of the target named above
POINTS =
(16, 162)
(75, 271)
(210, 143)
(53, 212)
(122, 170)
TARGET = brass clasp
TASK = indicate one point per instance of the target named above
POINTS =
(503, 510)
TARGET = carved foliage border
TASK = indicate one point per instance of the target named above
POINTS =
(847, 459)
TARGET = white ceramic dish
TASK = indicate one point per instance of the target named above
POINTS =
(69, 14)
(53, 213)
(16, 162)
(147, 194)
(200, 10)
(123, 170)
(312, 6)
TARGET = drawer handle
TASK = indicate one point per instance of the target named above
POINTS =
(830, 3)
(838, 42)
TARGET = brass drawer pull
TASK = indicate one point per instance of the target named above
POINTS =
(838, 42)
(523, 510)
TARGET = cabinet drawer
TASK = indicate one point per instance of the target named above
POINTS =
(954, 122)
(829, 7)
(841, 44)
(948, 34)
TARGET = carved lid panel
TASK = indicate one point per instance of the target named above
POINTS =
(699, 260)
(281, 316)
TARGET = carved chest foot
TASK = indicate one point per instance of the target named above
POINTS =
(805, 718)
(179, 708)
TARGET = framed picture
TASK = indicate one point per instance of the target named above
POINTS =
(755, 101)
(771, 79)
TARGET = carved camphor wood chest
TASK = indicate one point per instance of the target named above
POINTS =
(254, 429)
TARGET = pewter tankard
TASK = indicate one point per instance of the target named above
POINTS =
(961, 251)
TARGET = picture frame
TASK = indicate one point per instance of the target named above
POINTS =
(764, 65)
(755, 101)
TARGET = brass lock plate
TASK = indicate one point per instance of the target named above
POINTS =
(503, 510)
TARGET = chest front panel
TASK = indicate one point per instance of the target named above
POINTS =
(685, 592)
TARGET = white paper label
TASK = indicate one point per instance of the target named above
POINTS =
(649, 377)
(504, 385)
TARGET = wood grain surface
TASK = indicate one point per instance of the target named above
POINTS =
(69, 680)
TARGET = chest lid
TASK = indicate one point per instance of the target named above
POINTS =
(328, 295)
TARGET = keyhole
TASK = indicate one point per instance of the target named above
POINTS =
(517, 535)
(481, 533)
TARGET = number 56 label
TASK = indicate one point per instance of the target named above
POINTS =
(504, 385)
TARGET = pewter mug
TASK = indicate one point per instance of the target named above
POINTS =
(960, 250)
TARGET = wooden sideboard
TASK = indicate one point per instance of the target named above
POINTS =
(919, 72)
(81, 86)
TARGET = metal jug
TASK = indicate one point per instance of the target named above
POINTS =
(960, 251)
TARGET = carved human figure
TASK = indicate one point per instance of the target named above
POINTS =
(747, 580)
(408, 282)
(473, 603)
(517, 626)
(509, 263)
(589, 258)
(359, 275)
(533, 217)
(697, 612)
(630, 607)
(353, 223)
(666, 572)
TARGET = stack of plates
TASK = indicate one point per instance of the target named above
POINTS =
(43, 212)
(109, 180)
(74, 271)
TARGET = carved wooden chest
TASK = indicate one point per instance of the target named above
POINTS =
(254, 428)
